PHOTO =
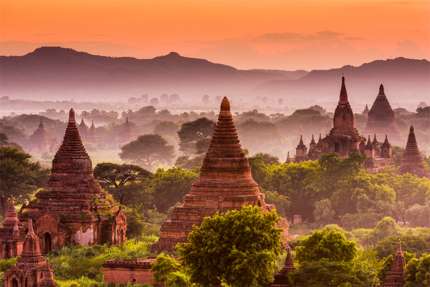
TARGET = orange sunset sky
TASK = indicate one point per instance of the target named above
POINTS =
(284, 34)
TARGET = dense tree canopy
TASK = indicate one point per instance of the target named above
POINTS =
(328, 258)
(148, 151)
(125, 182)
(215, 254)
(169, 186)
(19, 176)
(335, 190)
(193, 132)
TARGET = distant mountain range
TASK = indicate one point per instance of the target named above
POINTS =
(61, 73)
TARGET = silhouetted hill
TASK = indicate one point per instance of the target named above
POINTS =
(404, 80)
(61, 73)
(50, 70)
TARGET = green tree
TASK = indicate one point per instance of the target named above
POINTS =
(168, 186)
(148, 151)
(297, 181)
(192, 132)
(328, 258)
(19, 176)
(326, 273)
(329, 243)
(259, 165)
(169, 271)
(215, 254)
(125, 182)
(418, 272)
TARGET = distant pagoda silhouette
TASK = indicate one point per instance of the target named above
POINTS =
(381, 117)
(412, 161)
(225, 183)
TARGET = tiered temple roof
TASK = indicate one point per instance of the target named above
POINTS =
(73, 196)
(412, 160)
(225, 183)
(381, 117)
(381, 109)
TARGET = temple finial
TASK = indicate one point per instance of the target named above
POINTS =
(343, 94)
(72, 116)
(381, 89)
(225, 104)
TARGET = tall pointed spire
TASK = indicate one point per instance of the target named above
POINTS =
(72, 152)
(313, 140)
(343, 120)
(412, 160)
(381, 90)
(343, 98)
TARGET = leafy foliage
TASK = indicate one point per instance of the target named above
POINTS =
(19, 176)
(215, 254)
(148, 151)
(168, 186)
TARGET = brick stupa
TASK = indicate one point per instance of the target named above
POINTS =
(74, 209)
(395, 277)
(412, 161)
(31, 269)
(225, 183)
(281, 278)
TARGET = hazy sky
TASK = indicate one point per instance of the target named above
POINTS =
(299, 34)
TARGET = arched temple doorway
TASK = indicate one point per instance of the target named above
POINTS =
(47, 243)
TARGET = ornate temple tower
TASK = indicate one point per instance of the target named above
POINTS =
(412, 160)
(74, 208)
(301, 151)
(381, 118)
(344, 137)
(313, 153)
(225, 183)
(386, 150)
(281, 278)
(31, 268)
(395, 277)
(376, 145)
(11, 237)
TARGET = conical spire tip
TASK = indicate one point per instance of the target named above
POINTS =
(381, 89)
(225, 104)
(72, 115)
